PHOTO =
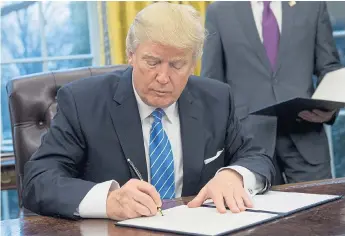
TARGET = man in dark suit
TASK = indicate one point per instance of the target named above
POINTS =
(268, 52)
(153, 120)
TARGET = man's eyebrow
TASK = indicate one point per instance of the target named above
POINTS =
(150, 57)
(178, 59)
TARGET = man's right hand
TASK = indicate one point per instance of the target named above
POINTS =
(134, 199)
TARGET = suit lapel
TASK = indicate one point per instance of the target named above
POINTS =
(286, 31)
(126, 120)
(192, 139)
(246, 19)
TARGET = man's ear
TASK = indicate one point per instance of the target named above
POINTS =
(192, 69)
(130, 58)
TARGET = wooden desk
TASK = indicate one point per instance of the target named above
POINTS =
(328, 219)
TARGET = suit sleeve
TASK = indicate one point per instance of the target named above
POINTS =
(241, 152)
(326, 54)
(52, 177)
(212, 63)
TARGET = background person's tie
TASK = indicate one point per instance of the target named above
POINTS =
(270, 34)
(161, 158)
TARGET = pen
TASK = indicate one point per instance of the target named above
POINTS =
(136, 171)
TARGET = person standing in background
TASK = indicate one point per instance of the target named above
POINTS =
(268, 52)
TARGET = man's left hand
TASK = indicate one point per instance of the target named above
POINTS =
(226, 185)
(317, 116)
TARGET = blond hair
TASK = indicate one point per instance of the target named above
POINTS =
(169, 24)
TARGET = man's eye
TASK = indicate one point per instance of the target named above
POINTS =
(152, 63)
(177, 65)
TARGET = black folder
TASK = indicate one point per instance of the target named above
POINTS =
(273, 216)
(289, 109)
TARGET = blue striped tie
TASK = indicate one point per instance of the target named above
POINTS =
(161, 158)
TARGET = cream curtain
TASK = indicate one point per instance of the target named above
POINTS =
(115, 18)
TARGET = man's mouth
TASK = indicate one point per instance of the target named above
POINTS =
(160, 93)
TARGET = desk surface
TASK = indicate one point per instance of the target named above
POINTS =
(328, 219)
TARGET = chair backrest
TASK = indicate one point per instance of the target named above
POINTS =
(32, 104)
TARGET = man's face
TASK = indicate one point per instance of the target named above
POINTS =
(160, 72)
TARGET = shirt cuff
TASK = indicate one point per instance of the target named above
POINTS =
(94, 204)
(252, 183)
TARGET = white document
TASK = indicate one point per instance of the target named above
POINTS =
(332, 87)
(284, 202)
(207, 221)
(200, 221)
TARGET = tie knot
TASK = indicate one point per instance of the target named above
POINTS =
(158, 114)
(267, 4)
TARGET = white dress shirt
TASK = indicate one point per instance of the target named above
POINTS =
(94, 203)
(258, 9)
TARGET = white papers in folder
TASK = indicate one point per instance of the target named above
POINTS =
(284, 202)
(207, 221)
(200, 221)
(332, 87)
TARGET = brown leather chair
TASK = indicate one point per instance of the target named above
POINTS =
(32, 103)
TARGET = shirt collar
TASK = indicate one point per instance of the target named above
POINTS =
(145, 110)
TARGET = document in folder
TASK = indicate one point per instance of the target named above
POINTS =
(286, 202)
(206, 220)
(198, 221)
(291, 108)
(328, 96)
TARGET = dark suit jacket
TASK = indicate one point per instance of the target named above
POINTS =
(234, 54)
(98, 126)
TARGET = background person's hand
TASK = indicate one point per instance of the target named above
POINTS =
(134, 199)
(317, 116)
(226, 185)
